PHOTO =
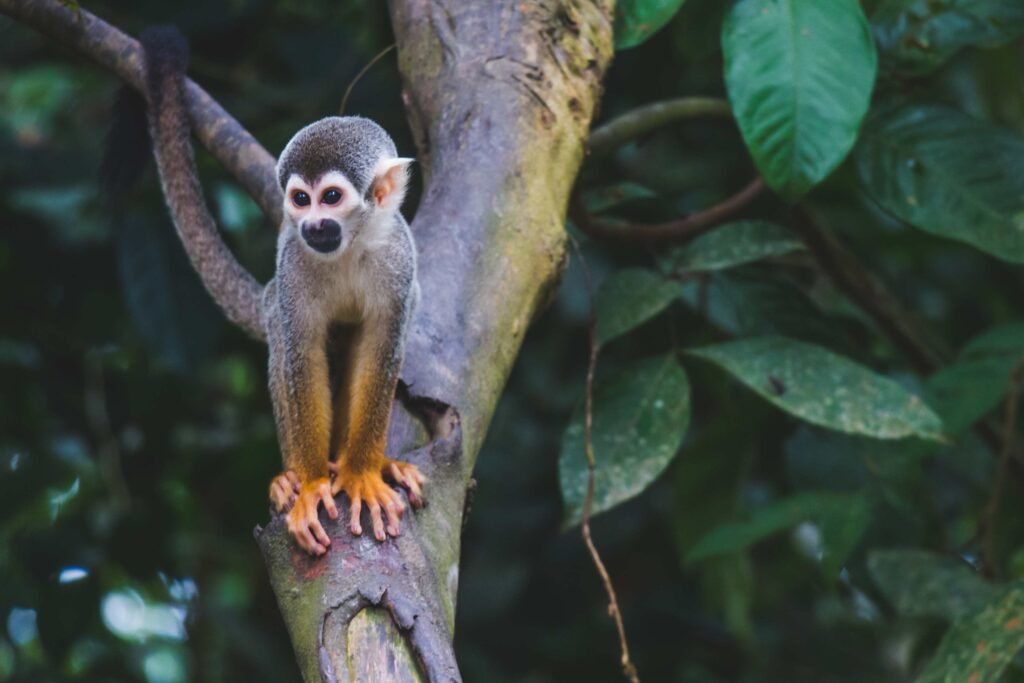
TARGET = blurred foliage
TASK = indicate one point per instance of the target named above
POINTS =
(747, 545)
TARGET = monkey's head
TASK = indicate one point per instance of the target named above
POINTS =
(342, 178)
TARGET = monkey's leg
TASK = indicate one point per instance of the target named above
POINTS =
(301, 396)
(376, 356)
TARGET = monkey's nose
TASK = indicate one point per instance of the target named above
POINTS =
(323, 236)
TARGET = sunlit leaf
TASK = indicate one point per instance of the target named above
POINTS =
(948, 174)
(919, 583)
(733, 245)
(639, 419)
(631, 297)
(799, 75)
(823, 388)
(977, 649)
(638, 20)
(915, 36)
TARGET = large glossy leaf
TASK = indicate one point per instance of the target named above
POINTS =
(922, 584)
(638, 20)
(823, 388)
(630, 297)
(733, 245)
(799, 75)
(978, 649)
(948, 174)
(640, 417)
(841, 521)
(915, 36)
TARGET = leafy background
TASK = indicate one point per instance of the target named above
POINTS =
(783, 494)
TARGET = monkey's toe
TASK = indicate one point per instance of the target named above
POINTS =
(284, 489)
(409, 477)
(381, 500)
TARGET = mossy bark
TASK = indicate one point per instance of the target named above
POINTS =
(499, 96)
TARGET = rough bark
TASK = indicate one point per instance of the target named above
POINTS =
(499, 97)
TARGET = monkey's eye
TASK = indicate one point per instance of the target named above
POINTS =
(300, 198)
(332, 196)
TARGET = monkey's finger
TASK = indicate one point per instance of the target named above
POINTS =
(277, 495)
(394, 513)
(355, 510)
(300, 533)
(294, 479)
(329, 504)
(318, 531)
(378, 523)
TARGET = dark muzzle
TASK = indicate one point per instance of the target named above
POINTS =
(323, 236)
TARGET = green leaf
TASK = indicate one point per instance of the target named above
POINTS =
(841, 519)
(638, 20)
(640, 418)
(630, 297)
(977, 649)
(799, 75)
(733, 245)
(824, 388)
(922, 584)
(948, 174)
(915, 36)
(973, 386)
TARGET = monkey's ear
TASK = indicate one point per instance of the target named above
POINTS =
(389, 182)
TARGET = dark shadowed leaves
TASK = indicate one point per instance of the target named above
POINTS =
(948, 174)
(840, 519)
(640, 417)
(915, 36)
(799, 75)
(823, 388)
(919, 583)
(638, 20)
(630, 297)
(733, 245)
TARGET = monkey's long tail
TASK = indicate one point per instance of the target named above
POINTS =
(236, 291)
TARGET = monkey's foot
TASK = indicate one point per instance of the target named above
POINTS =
(284, 489)
(409, 477)
(304, 519)
(369, 487)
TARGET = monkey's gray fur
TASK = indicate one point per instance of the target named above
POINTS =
(335, 322)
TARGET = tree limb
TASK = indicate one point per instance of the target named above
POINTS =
(635, 123)
(669, 232)
(217, 130)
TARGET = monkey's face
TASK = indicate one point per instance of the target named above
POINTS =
(325, 212)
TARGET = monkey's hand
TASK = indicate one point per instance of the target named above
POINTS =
(369, 487)
(284, 489)
(304, 519)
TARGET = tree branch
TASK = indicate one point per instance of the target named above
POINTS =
(635, 123)
(217, 130)
(666, 233)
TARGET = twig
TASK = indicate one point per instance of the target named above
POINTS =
(635, 123)
(362, 72)
(628, 668)
(217, 130)
(1009, 431)
(666, 233)
(850, 278)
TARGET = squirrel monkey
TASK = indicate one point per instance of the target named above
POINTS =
(336, 312)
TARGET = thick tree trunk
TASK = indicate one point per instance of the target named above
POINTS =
(499, 96)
